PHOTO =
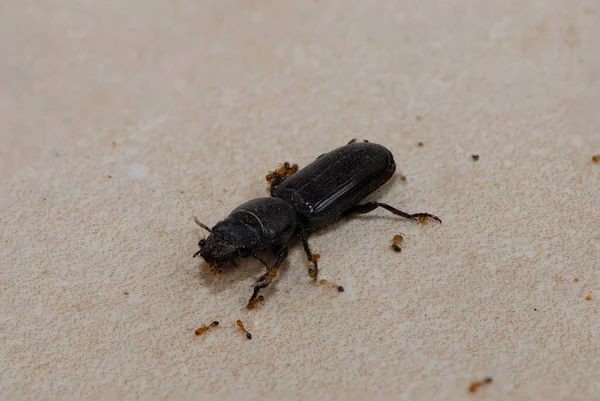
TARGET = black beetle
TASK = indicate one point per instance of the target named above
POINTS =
(319, 194)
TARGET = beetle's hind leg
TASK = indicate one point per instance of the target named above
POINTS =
(354, 140)
(268, 277)
(350, 142)
(282, 173)
(369, 207)
(313, 270)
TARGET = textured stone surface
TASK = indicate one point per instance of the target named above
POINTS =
(121, 120)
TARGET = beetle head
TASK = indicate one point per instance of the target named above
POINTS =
(218, 249)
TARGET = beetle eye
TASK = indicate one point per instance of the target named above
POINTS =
(201, 243)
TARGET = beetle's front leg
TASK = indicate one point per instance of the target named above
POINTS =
(313, 270)
(268, 277)
(283, 172)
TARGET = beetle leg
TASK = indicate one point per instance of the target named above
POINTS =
(353, 141)
(370, 206)
(268, 277)
(313, 270)
(350, 142)
(255, 256)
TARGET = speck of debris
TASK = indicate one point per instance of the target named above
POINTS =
(126, 292)
(418, 118)
(475, 157)
(180, 192)
(588, 298)
(114, 144)
(596, 158)
(421, 144)
(576, 280)
(110, 176)
(535, 309)
(56, 154)
(402, 177)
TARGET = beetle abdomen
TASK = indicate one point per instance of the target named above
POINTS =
(336, 181)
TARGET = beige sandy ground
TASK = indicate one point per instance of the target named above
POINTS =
(121, 120)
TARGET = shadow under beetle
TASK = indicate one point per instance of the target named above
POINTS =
(301, 201)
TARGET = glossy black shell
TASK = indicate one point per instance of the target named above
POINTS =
(322, 191)
(254, 225)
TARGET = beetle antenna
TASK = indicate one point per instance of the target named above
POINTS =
(201, 244)
(204, 226)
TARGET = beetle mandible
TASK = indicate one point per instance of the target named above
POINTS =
(302, 201)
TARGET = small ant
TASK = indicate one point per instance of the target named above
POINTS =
(338, 287)
(252, 304)
(283, 172)
(200, 331)
(423, 219)
(398, 239)
(475, 385)
(312, 272)
(241, 326)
